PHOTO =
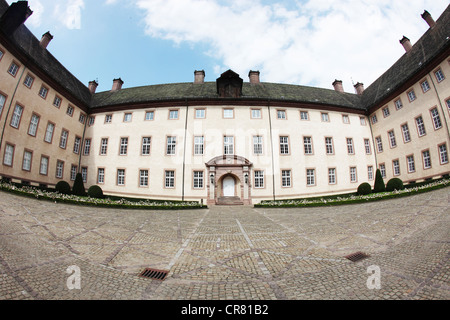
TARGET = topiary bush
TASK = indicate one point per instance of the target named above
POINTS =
(394, 184)
(379, 183)
(364, 189)
(78, 186)
(95, 192)
(63, 187)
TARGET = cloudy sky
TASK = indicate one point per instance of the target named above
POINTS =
(307, 42)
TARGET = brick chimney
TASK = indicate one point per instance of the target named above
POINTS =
(337, 84)
(428, 18)
(254, 77)
(93, 86)
(16, 15)
(359, 87)
(46, 38)
(117, 84)
(199, 76)
(406, 44)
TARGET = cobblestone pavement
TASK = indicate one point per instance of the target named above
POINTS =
(226, 252)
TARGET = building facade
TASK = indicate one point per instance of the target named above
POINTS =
(230, 141)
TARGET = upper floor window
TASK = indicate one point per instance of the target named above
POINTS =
(127, 117)
(17, 115)
(307, 144)
(256, 113)
(228, 113)
(362, 120)
(87, 147)
(386, 112)
(57, 101)
(108, 118)
(70, 110)
(284, 145)
(329, 145)
(2, 103)
(257, 145)
(281, 114)
(406, 134)
(63, 139)
(28, 82)
(411, 95)
(345, 118)
(34, 122)
(1, 54)
(76, 145)
(367, 146)
(325, 117)
(379, 144)
(350, 148)
(304, 115)
(123, 146)
(171, 145)
(374, 119)
(436, 119)
(91, 121)
(49, 132)
(200, 113)
(398, 104)
(104, 146)
(228, 145)
(392, 140)
(425, 86)
(149, 115)
(173, 114)
(146, 143)
(82, 118)
(420, 126)
(199, 146)
(13, 69)
(43, 92)
(439, 75)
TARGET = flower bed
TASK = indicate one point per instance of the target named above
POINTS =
(105, 202)
(352, 199)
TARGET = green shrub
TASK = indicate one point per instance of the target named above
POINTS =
(394, 184)
(95, 192)
(379, 183)
(63, 187)
(364, 189)
(78, 186)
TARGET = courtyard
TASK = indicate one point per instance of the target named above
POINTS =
(52, 251)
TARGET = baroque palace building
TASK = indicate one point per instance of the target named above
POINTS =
(227, 141)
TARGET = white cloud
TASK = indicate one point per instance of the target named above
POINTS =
(312, 44)
(69, 13)
(66, 12)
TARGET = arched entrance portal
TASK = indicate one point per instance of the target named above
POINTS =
(229, 180)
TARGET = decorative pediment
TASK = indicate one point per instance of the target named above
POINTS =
(232, 161)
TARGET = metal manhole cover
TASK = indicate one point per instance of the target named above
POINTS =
(357, 256)
(154, 274)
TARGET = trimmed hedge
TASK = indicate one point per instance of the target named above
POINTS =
(394, 184)
(95, 192)
(379, 183)
(78, 186)
(63, 187)
(364, 189)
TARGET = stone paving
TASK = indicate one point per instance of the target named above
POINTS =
(232, 253)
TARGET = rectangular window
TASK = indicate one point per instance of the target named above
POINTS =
(1, 54)
(8, 156)
(200, 113)
(331, 175)
(146, 143)
(374, 119)
(91, 121)
(170, 179)
(171, 145)
(70, 111)
(198, 179)
(101, 175)
(84, 171)
(392, 141)
(108, 118)
(443, 155)
(44, 166)
(398, 104)
(28, 82)
(281, 114)
(199, 145)
(411, 95)
(353, 176)
(325, 117)
(173, 114)
(411, 165)
(362, 120)
(73, 172)
(17, 115)
(49, 132)
(228, 113)
(104, 146)
(127, 117)
(87, 147)
(57, 102)
(228, 145)
(120, 177)
(286, 178)
(257, 145)
(26, 164)
(284, 145)
(345, 118)
(350, 148)
(256, 114)
(304, 115)
(405, 131)
(436, 118)
(420, 126)
(386, 112)
(34, 122)
(123, 146)
(63, 139)
(143, 178)
(329, 145)
(396, 167)
(310, 177)
(383, 170)
(2, 103)
(367, 146)
(439, 75)
(82, 118)
(307, 144)
(379, 144)
(149, 115)
(43, 92)
(426, 159)
(59, 169)
(259, 179)
(425, 86)
(370, 173)
(13, 68)
(76, 145)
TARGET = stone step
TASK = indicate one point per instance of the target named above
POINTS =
(229, 201)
